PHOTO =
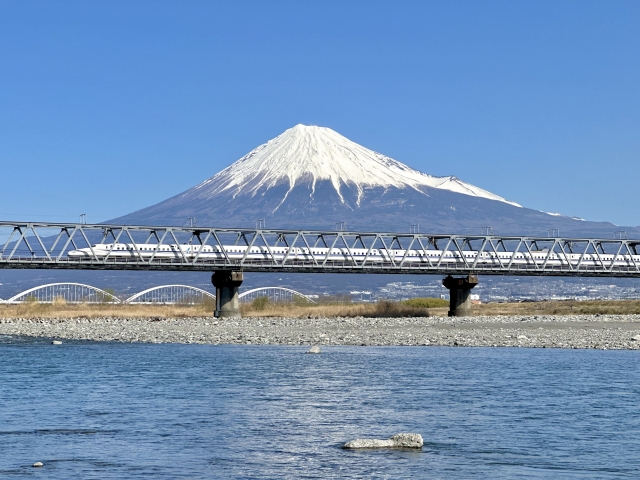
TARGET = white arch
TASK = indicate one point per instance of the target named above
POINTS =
(15, 298)
(132, 298)
(288, 290)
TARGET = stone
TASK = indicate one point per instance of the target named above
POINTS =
(38, 464)
(314, 349)
(636, 338)
(369, 443)
(56, 342)
(408, 440)
(401, 440)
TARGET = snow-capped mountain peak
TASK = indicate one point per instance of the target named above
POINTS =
(312, 154)
(314, 178)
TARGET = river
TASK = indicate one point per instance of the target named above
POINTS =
(116, 410)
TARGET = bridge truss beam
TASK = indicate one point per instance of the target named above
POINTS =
(46, 246)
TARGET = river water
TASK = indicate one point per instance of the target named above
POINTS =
(109, 410)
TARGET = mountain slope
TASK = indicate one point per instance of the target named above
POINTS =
(313, 177)
(313, 154)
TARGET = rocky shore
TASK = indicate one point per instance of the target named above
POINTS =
(571, 331)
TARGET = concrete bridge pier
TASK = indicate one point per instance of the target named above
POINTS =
(460, 294)
(227, 303)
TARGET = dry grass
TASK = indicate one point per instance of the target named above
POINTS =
(437, 307)
(561, 307)
(383, 308)
(63, 310)
(262, 308)
(259, 308)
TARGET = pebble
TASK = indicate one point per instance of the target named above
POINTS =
(38, 464)
(56, 342)
(539, 331)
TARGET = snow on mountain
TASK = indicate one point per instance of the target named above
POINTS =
(314, 178)
(554, 214)
(313, 154)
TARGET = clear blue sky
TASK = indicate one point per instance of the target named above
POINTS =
(110, 106)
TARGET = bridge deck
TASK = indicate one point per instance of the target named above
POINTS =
(46, 246)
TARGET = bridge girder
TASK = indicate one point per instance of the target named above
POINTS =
(39, 245)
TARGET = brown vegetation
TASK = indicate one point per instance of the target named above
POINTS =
(261, 307)
(560, 307)
(59, 309)
(337, 307)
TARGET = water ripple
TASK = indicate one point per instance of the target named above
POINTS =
(93, 410)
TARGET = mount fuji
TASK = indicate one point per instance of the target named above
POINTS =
(312, 177)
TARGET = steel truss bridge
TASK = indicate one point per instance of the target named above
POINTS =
(46, 246)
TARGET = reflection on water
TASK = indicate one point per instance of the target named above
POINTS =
(174, 411)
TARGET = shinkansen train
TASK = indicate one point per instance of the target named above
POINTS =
(237, 252)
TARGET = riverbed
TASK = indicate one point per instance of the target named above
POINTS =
(569, 331)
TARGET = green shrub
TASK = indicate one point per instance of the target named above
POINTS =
(300, 301)
(105, 297)
(388, 308)
(260, 303)
(31, 300)
(427, 302)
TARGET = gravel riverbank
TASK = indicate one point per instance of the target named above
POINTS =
(570, 331)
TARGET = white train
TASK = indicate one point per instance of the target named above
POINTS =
(349, 255)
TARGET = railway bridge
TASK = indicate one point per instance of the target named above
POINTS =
(229, 252)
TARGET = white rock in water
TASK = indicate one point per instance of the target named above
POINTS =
(38, 464)
(56, 342)
(401, 440)
(314, 349)
(408, 440)
(369, 443)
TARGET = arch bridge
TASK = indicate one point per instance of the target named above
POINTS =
(67, 292)
(171, 294)
(274, 294)
(162, 294)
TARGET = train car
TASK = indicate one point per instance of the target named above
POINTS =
(466, 258)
